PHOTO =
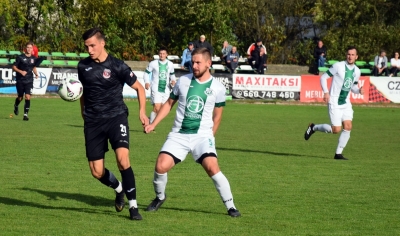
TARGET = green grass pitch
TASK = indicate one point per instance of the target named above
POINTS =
(282, 184)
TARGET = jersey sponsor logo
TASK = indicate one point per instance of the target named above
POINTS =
(106, 73)
(163, 75)
(347, 83)
(89, 68)
(194, 105)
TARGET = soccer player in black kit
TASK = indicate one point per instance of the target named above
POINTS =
(106, 116)
(24, 65)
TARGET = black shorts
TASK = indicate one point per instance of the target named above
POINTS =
(97, 133)
(24, 88)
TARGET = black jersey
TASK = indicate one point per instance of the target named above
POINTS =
(102, 86)
(27, 64)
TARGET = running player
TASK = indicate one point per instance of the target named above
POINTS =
(201, 99)
(24, 65)
(345, 76)
(106, 116)
(163, 76)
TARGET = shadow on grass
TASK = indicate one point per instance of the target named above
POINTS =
(88, 199)
(76, 126)
(267, 152)
(17, 202)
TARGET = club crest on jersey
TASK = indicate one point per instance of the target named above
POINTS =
(32, 61)
(208, 92)
(106, 73)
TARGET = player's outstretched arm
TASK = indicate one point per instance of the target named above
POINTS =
(217, 116)
(164, 110)
(142, 102)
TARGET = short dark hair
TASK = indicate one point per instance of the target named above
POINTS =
(351, 48)
(92, 32)
(162, 49)
(204, 51)
(382, 51)
(29, 43)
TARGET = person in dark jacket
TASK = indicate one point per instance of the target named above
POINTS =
(202, 43)
(261, 61)
(320, 54)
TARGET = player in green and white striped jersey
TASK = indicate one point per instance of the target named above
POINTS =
(345, 76)
(201, 99)
(163, 77)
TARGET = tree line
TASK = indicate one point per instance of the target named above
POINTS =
(135, 29)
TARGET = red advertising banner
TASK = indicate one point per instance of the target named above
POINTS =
(311, 89)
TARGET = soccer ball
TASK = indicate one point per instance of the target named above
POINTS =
(70, 89)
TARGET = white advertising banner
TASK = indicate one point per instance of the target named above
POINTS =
(129, 92)
(40, 84)
(388, 86)
(284, 83)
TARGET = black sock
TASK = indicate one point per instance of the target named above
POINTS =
(109, 179)
(27, 106)
(128, 183)
(17, 101)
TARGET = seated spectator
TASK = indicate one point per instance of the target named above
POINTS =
(232, 60)
(187, 57)
(261, 62)
(252, 56)
(395, 65)
(226, 49)
(320, 54)
(380, 64)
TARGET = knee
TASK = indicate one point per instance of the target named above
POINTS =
(336, 129)
(97, 174)
(164, 163)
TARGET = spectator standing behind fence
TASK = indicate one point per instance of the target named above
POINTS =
(380, 64)
(261, 62)
(202, 43)
(187, 57)
(232, 60)
(320, 53)
(226, 49)
(252, 56)
(395, 65)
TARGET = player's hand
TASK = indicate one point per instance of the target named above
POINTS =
(361, 90)
(23, 73)
(146, 86)
(144, 119)
(326, 97)
(148, 128)
(173, 82)
(36, 76)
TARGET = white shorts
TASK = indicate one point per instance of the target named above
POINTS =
(179, 145)
(158, 97)
(339, 114)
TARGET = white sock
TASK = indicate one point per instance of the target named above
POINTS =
(119, 188)
(152, 116)
(323, 128)
(222, 185)
(132, 203)
(159, 183)
(343, 139)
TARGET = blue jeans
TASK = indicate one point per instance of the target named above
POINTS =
(321, 61)
(188, 64)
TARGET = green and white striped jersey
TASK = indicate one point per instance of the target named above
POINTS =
(196, 103)
(344, 78)
(162, 74)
